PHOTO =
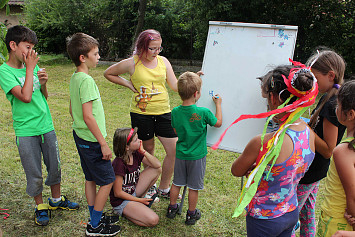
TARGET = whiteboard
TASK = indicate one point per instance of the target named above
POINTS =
(235, 55)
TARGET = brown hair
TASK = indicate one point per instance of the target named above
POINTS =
(20, 34)
(326, 61)
(346, 99)
(120, 142)
(80, 44)
(188, 84)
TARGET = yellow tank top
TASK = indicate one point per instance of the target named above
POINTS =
(152, 97)
(334, 203)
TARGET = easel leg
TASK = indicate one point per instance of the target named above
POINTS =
(182, 200)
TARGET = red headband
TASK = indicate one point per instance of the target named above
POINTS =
(130, 135)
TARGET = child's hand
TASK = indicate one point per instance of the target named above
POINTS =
(106, 152)
(343, 233)
(145, 201)
(131, 86)
(217, 99)
(42, 76)
(349, 218)
(30, 59)
(141, 149)
(199, 73)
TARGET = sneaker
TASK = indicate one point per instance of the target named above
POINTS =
(166, 195)
(171, 212)
(63, 204)
(102, 230)
(41, 214)
(191, 219)
(109, 218)
(151, 192)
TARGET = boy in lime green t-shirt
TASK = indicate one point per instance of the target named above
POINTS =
(190, 124)
(24, 84)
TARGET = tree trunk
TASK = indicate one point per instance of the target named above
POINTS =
(140, 23)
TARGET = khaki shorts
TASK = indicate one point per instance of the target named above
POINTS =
(327, 226)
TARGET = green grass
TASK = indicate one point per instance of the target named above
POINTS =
(217, 201)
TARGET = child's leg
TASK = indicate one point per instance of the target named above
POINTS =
(140, 214)
(38, 199)
(55, 190)
(307, 194)
(100, 200)
(90, 192)
(149, 146)
(193, 197)
(147, 178)
(169, 145)
(174, 194)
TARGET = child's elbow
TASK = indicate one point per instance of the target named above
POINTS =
(218, 124)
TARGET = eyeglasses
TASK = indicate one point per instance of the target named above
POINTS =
(156, 49)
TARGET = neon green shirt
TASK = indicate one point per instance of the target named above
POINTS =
(29, 119)
(190, 123)
(83, 89)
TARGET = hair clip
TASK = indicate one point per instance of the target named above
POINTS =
(337, 86)
(272, 82)
(151, 37)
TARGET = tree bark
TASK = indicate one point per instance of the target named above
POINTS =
(140, 23)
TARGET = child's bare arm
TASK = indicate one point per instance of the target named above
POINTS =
(43, 78)
(246, 160)
(95, 130)
(218, 101)
(326, 145)
(344, 160)
(119, 193)
(24, 93)
(149, 159)
(70, 110)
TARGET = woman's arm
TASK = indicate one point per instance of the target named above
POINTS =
(326, 145)
(170, 75)
(344, 160)
(246, 160)
(119, 193)
(113, 73)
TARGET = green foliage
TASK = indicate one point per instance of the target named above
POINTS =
(184, 23)
(3, 30)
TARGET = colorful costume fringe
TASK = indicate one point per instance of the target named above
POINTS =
(273, 147)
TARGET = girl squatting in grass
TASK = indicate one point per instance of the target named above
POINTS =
(130, 186)
(339, 194)
(329, 70)
(275, 162)
(150, 108)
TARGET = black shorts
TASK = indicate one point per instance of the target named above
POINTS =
(150, 125)
(94, 167)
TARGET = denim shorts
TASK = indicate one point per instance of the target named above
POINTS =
(119, 209)
(94, 167)
(152, 125)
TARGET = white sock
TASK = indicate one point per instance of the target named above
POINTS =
(56, 199)
(165, 190)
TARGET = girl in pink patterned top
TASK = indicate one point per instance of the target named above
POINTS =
(273, 209)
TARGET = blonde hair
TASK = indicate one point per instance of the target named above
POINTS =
(326, 61)
(120, 143)
(188, 84)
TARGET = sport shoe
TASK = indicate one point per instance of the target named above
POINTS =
(41, 214)
(171, 212)
(152, 190)
(109, 218)
(63, 204)
(191, 219)
(166, 194)
(102, 230)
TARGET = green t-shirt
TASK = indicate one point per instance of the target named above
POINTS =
(83, 89)
(29, 119)
(190, 123)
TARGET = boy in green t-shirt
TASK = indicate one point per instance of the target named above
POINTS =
(24, 84)
(190, 125)
(89, 131)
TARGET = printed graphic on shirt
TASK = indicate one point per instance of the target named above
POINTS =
(144, 97)
(194, 117)
(36, 84)
(129, 179)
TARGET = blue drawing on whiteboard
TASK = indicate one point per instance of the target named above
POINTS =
(215, 42)
(218, 31)
(281, 44)
(211, 93)
(282, 34)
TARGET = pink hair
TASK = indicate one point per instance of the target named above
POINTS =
(142, 42)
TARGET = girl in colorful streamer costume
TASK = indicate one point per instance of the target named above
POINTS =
(329, 70)
(339, 193)
(275, 162)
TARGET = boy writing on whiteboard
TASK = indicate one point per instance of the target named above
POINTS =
(190, 125)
